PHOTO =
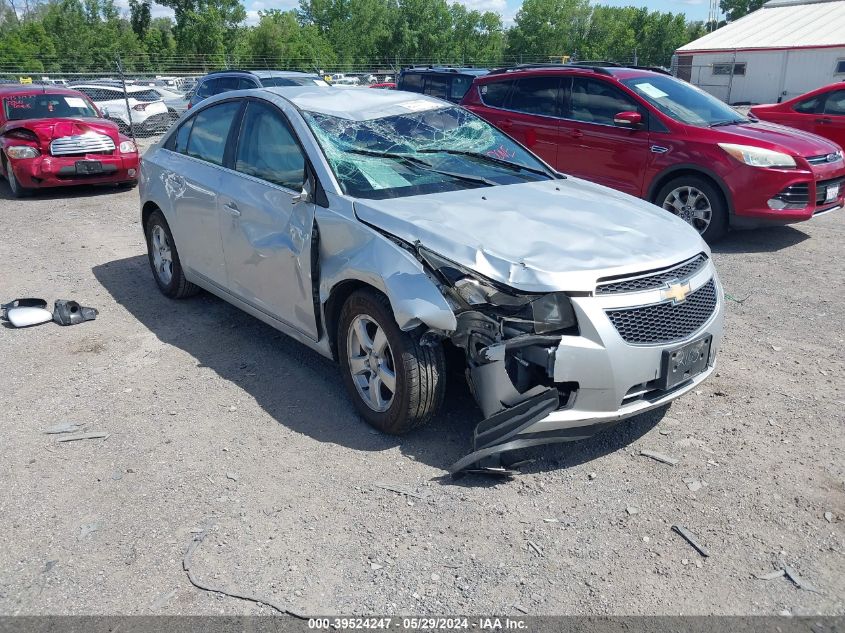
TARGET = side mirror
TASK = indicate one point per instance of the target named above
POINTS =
(632, 120)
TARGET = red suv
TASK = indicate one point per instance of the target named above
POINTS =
(659, 138)
(821, 111)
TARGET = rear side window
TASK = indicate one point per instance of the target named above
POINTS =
(208, 135)
(207, 88)
(101, 94)
(835, 103)
(225, 84)
(267, 148)
(145, 95)
(244, 83)
(460, 85)
(807, 106)
(412, 82)
(495, 94)
(596, 101)
(537, 95)
(437, 86)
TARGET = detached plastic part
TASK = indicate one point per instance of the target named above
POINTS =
(27, 302)
(67, 312)
(27, 316)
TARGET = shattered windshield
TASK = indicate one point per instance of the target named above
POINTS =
(438, 149)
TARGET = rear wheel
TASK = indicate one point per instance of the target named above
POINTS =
(698, 202)
(395, 383)
(164, 259)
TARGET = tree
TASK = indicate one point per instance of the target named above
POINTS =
(140, 16)
(735, 9)
(547, 28)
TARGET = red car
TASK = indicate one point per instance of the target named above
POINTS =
(385, 85)
(659, 138)
(53, 137)
(821, 112)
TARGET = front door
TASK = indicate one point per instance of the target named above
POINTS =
(266, 229)
(831, 124)
(593, 147)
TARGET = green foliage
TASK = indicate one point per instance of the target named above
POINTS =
(88, 35)
(735, 9)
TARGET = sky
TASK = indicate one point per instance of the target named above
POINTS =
(694, 9)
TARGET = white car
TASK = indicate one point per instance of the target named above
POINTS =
(149, 113)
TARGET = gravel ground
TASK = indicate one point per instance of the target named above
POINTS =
(217, 422)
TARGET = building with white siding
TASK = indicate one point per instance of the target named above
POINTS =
(775, 53)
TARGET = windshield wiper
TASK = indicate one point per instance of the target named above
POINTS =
(729, 122)
(424, 165)
(486, 158)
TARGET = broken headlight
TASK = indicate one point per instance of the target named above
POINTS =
(540, 313)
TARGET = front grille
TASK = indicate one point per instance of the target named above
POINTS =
(821, 189)
(653, 279)
(824, 158)
(665, 322)
(79, 144)
(796, 195)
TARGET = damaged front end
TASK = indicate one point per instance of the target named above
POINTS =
(509, 339)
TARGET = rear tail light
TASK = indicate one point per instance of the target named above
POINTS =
(140, 107)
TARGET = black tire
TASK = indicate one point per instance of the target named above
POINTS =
(419, 370)
(177, 286)
(18, 190)
(718, 223)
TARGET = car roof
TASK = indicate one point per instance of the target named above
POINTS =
(446, 69)
(11, 90)
(263, 74)
(605, 69)
(115, 86)
(367, 104)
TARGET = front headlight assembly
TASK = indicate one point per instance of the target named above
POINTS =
(537, 313)
(757, 156)
(22, 151)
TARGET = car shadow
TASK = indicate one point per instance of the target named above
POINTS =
(61, 193)
(763, 240)
(303, 391)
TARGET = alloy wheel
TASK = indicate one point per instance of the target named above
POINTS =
(371, 362)
(162, 255)
(691, 205)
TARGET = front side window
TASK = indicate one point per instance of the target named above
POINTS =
(683, 102)
(496, 93)
(180, 139)
(210, 130)
(433, 150)
(596, 101)
(835, 103)
(460, 85)
(536, 95)
(207, 88)
(808, 106)
(46, 106)
(267, 148)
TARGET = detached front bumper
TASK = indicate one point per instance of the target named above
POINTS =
(60, 171)
(597, 378)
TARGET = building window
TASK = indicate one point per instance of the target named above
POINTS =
(725, 69)
(840, 67)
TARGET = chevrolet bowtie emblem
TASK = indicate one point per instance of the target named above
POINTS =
(677, 292)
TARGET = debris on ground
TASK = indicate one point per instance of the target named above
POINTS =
(694, 485)
(660, 457)
(631, 510)
(84, 436)
(592, 476)
(232, 476)
(690, 538)
(162, 600)
(535, 547)
(67, 312)
(402, 490)
(186, 566)
(798, 581)
(65, 427)
(828, 516)
(376, 566)
(771, 575)
(88, 528)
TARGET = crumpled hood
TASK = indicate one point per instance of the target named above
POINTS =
(540, 236)
(779, 138)
(49, 129)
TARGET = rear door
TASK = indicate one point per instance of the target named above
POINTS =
(534, 106)
(593, 147)
(266, 229)
(193, 173)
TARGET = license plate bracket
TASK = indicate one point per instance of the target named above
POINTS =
(682, 363)
(85, 167)
(832, 193)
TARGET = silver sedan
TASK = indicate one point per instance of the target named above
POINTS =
(384, 227)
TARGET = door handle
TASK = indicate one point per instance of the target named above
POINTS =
(232, 208)
(824, 120)
(577, 134)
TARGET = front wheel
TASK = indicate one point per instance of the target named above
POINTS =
(698, 202)
(395, 383)
(18, 190)
(164, 259)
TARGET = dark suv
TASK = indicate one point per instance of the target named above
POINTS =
(444, 82)
(656, 137)
(224, 80)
